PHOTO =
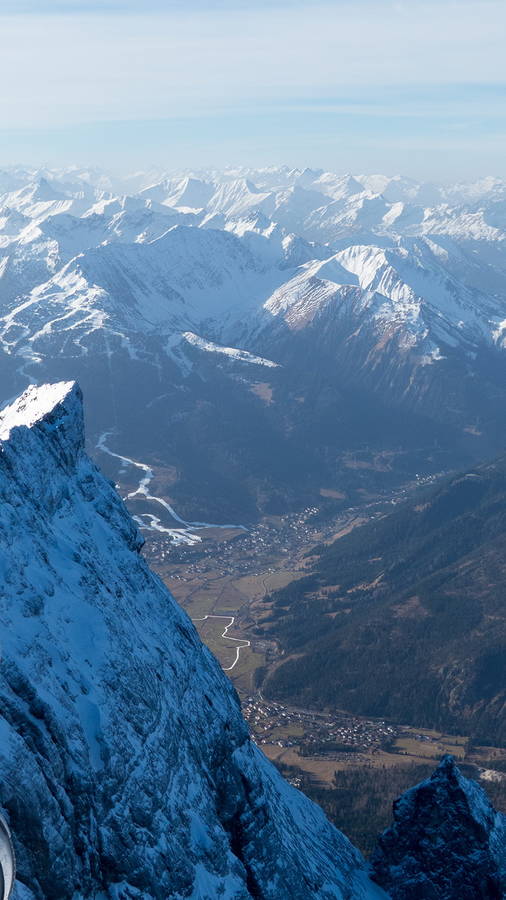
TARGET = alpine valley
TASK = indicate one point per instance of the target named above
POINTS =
(126, 768)
(296, 380)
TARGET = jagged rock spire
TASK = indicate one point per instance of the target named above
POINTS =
(446, 842)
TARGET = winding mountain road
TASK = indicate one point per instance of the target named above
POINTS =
(242, 641)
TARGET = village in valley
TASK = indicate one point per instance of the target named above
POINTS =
(222, 581)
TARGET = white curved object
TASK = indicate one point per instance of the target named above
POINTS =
(7, 861)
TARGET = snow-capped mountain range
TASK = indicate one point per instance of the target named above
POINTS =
(225, 248)
(397, 288)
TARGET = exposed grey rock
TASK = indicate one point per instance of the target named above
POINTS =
(125, 765)
(446, 842)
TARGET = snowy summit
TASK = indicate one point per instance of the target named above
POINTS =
(33, 405)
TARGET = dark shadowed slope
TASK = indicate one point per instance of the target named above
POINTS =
(419, 596)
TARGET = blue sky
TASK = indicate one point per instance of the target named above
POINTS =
(371, 85)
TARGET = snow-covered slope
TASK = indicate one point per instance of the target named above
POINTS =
(125, 766)
(396, 287)
(231, 352)
(183, 278)
(41, 199)
(235, 198)
(190, 193)
(58, 224)
(407, 289)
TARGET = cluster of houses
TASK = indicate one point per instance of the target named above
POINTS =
(315, 733)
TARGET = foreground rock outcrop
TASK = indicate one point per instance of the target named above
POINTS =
(446, 842)
(126, 768)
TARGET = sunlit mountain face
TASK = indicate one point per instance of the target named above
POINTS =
(251, 328)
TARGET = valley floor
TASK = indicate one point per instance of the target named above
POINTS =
(222, 583)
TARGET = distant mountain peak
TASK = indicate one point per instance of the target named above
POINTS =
(42, 191)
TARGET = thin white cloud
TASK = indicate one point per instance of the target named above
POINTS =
(60, 69)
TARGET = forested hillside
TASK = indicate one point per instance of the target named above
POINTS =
(405, 616)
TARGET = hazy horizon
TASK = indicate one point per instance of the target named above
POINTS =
(233, 169)
(387, 86)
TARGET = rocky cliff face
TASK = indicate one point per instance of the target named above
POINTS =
(126, 768)
(446, 842)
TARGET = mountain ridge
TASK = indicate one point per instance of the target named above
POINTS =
(125, 764)
(420, 591)
(402, 307)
